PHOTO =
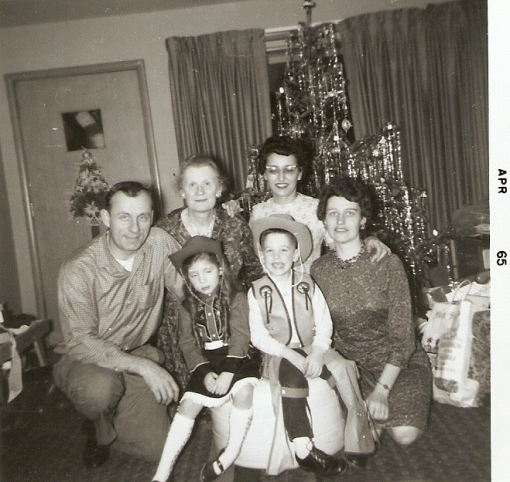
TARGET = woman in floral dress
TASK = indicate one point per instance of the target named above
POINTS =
(201, 184)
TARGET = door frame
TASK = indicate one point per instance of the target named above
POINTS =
(12, 81)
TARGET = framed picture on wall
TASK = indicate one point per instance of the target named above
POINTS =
(59, 117)
(83, 130)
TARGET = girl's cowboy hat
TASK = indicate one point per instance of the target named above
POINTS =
(195, 245)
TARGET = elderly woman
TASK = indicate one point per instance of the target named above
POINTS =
(201, 185)
(371, 311)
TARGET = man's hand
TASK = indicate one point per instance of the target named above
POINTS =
(381, 250)
(314, 363)
(160, 382)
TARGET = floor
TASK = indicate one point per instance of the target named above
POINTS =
(41, 442)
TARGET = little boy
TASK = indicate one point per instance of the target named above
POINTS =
(290, 322)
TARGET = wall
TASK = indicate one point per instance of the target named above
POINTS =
(130, 37)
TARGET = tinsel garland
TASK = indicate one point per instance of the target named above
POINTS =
(401, 216)
(312, 101)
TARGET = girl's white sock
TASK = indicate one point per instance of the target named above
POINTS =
(239, 424)
(178, 434)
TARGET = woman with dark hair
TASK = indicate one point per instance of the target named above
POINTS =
(201, 185)
(283, 163)
(371, 310)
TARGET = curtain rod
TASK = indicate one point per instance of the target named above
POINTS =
(275, 36)
(277, 45)
(284, 34)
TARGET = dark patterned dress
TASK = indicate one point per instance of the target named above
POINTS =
(371, 311)
(237, 240)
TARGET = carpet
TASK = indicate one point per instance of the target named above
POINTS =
(454, 448)
(41, 441)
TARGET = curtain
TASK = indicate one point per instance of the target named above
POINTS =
(220, 97)
(427, 72)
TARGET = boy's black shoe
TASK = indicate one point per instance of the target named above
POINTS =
(359, 461)
(321, 463)
(94, 454)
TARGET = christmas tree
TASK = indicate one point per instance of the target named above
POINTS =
(90, 188)
(312, 106)
(312, 101)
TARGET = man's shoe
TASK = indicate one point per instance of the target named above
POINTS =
(321, 463)
(358, 461)
(94, 454)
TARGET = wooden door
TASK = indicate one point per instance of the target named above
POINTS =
(50, 170)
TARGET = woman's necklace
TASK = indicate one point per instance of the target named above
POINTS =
(195, 229)
(346, 263)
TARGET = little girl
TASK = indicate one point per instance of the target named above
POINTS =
(214, 337)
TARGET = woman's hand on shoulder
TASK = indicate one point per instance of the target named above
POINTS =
(232, 207)
(379, 248)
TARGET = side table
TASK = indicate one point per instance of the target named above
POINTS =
(33, 336)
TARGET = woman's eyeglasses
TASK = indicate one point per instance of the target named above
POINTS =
(287, 170)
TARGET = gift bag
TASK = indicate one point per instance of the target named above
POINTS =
(441, 318)
(447, 339)
(451, 382)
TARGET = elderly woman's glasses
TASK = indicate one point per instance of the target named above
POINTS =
(287, 170)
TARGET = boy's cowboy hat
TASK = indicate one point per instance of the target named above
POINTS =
(287, 223)
(195, 245)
